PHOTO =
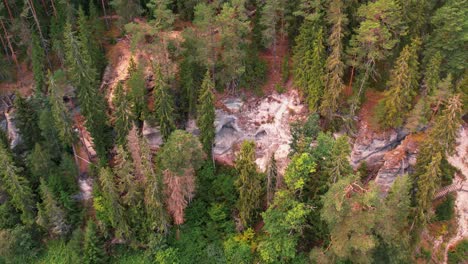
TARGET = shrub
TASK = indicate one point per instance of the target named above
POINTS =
(460, 253)
(445, 210)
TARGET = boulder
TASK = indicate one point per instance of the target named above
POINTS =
(153, 135)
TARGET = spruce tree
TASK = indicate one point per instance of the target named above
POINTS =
(337, 166)
(272, 175)
(432, 74)
(163, 17)
(38, 62)
(40, 163)
(137, 91)
(16, 186)
(309, 59)
(163, 106)
(126, 10)
(27, 121)
(206, 114)
(113, 211)
(427, 185)
(88, 39)
(93, 248)
(403, 86)
(272, 20)
(179, 159)
(122, 115)
(157, 219)
(50, 214)
(62, 119)
(248, 184)
(83, 75)
(335, 66)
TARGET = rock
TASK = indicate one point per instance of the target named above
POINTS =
(233, 104)
(12, 130)
(266, 121)
(397, 162)
(153, 135)
(192, 128)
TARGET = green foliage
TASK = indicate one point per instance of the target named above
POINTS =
(27, 121)
(126, 10)
(17, 245)
(334, 65)
(137, 91)
(93, 251)
(248, 184)
(17, 187)
(445, 211)
(122, 115)
(348, 211)
(403, 86)
(83, 75)
(163, 106)
(206, 114)
(450, 27)
(238, 249)
(337, 166)
(458, 255)
(38, 61)
(303, 133)
(309, 62)
(163, 17)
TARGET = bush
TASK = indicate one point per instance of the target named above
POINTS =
(445, 210)
(279, 88)
(460, 254)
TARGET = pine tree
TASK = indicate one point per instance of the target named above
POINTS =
(448, 36)
(62, 119)
(334, 65)
(122, 115)
(374, 40)
(93, 249)
(403, 86)
(350, 212)
(27, 121)
(206, 114)
(163, 106)
(16, 186)
(163, 17)
(50, 214)
(179, 159)
(248, 183)
(38, 61)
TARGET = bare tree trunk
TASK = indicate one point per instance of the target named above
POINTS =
(5, 48)
(8, 9)
(13, 54)
(53, 8)
(33, 11)
(105, 13)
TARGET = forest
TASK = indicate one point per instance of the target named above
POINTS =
(233, 131)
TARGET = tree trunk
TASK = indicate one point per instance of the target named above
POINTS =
(7, 55)
(7, 37)
(53, 8)
(105, 13)
(8, 9)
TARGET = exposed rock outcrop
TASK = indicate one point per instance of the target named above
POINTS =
(265, 121)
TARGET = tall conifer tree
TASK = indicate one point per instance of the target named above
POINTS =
(163, 106)
(206, 114)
